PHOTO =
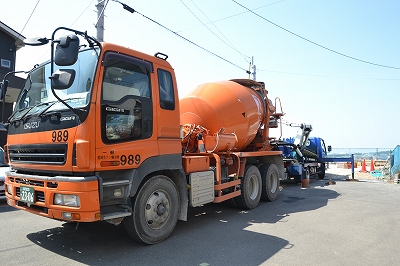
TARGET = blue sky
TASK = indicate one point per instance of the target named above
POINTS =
(351, 104)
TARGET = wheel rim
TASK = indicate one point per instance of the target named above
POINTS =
(273, 181)
(253, 187)
(157, 209)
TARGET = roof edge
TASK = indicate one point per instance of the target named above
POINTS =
(19, 38)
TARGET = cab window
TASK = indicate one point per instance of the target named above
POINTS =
(166, 89)
(126, 99)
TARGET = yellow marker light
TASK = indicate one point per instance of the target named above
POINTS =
(76, 216)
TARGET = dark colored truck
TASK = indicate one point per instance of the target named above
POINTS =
(306, 156)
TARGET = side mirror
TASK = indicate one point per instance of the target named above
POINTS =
(62, 79)
(329, 148)
(67, 50)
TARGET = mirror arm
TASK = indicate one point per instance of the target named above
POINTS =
(81, 114)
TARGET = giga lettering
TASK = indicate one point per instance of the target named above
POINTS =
(67, 118)
(115, 109)
(31, 125)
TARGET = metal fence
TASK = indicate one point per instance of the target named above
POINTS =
(381, 154)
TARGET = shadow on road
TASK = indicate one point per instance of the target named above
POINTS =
(5, 208)
(215, 234)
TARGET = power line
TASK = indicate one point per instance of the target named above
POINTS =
(319, 45)
(70, 26)
(322, 76)
(30, 16)
(195, 44)
(81, 14)
(238, 14)
(230, 44)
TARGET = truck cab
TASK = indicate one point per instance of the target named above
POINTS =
(88, 127)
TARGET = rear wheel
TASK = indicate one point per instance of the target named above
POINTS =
(155, 211)
(270, 182)
(250, 189)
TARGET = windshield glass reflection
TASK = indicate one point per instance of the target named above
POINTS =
(36, 96)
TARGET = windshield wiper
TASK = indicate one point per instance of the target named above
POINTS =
(26, 114)
(19, 111)
(42, 113)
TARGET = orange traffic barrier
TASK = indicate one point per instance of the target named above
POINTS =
(363, 167)
(372, 165)
(305, 182)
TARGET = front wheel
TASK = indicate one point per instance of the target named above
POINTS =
(155, 211)
(270, 182)
(250, 189)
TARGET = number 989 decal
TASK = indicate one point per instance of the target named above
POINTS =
(58, 136)
(130, 159)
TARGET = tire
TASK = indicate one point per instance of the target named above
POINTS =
(154, 211)
(321, 171)
(250, 189)
(270, 182)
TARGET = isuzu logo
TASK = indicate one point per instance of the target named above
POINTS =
(31, 125)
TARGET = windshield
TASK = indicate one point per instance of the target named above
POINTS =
(36, 96)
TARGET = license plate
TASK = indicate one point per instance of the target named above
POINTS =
(27, 194)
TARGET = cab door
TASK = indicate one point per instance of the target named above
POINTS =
(168, 119)
(126, 137)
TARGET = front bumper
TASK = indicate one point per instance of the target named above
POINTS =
(86, 187)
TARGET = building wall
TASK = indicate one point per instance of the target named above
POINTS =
(395, 161)
(7, 51)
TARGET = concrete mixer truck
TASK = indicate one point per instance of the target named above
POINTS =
(98, 134)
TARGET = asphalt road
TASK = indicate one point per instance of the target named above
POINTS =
(348, 223)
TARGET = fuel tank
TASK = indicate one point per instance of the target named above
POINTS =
(225, 107)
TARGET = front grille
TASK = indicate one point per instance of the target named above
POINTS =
(29, 182)
(36, 184)
(33, 182)
(38, 154)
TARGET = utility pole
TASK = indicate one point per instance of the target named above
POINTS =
(254, 68)
(100, 20)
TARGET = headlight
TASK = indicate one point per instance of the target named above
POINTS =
(67, 200)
